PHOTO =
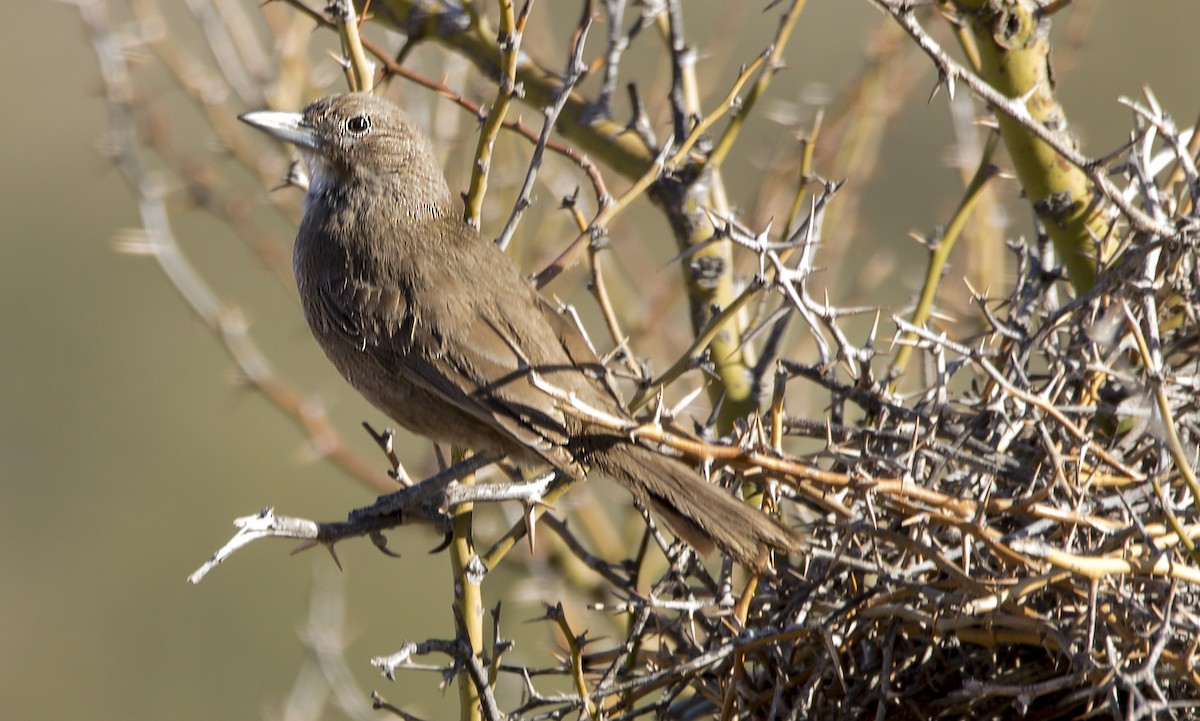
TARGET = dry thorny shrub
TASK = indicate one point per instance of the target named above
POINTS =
(1005, 531)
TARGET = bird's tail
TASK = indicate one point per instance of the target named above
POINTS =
(697, 511)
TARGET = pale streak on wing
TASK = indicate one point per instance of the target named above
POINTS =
(581, 353)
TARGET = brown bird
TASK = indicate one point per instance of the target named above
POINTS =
(440, 330)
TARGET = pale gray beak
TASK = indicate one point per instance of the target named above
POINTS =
(283, 125)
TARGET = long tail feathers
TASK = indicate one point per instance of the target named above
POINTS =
(698, 512)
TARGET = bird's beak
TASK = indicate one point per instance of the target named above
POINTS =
(283, 125)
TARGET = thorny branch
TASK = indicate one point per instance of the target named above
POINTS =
(1014, 522)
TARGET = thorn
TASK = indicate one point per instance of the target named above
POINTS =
(304, 546)
(380, 542)
(443, 545)
(311, 543)
(333, 554)
(530, 524)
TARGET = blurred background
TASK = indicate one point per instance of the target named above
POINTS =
(127, 446)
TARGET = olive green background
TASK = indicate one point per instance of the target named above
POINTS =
(126, 450)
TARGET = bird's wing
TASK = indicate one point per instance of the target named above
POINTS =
(463, 349)
(579, 350)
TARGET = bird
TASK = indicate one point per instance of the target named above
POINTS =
(441, 331)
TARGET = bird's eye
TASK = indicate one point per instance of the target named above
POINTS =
(359, 124)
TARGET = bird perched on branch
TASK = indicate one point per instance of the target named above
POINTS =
(440, 330)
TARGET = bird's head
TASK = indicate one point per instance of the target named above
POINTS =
(358, 137)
